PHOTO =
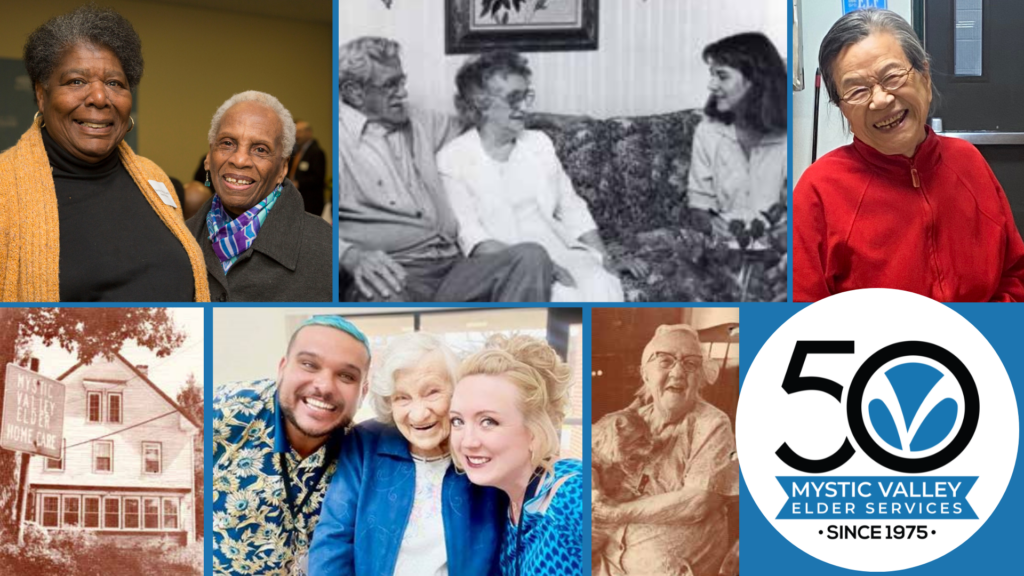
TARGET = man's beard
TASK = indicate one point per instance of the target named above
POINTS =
(289, 415)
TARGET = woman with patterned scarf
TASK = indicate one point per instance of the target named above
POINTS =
(258, 241)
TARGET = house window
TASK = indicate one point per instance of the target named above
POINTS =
(131, 513)
(57, 464)
(111, 513)
(94, 407)
(71, 510)
(151, 513)
(51, 511)
(170, 514)
(114, 407)
(102, 456)
(92, 512)
(151, 461)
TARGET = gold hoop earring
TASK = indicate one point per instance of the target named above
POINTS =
(133, 124)
(42, 124)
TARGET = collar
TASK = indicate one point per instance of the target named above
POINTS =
(279, 239)
(926, 156)
(281, 445)
(353, 122)
(729, 131)
(392, 443)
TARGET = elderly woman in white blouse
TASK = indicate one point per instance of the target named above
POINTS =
(507, 186)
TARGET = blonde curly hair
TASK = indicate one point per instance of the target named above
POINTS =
(543, 381)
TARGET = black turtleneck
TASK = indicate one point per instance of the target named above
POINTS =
(113, 245)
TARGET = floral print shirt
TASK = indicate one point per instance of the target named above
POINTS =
(253, 529)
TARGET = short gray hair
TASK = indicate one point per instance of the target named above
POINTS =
(356, 58)
(858, 25)
(404, 352)
(48, 44)
(287, 124)
(474, 74)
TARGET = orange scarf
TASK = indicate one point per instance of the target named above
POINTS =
(30, 228)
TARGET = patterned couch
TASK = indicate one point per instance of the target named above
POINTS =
(633, 173)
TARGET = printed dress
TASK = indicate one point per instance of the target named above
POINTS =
(548, 541)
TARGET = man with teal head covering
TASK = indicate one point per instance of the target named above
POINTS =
(274, 448)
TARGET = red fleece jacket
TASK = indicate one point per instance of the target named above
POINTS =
(937, 224)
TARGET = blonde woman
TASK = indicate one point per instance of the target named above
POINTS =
(506, 412)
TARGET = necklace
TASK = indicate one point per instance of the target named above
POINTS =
(429, 460)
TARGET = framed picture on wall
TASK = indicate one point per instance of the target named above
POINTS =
(523, 25)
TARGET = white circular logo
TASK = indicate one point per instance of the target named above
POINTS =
(877, 430)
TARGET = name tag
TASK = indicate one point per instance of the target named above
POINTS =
(162, 192)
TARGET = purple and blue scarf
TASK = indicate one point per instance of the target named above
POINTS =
(230, 237)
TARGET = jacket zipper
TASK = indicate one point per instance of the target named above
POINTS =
(931, 230)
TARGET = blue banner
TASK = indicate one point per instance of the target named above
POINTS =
(877, 497)
(851, 5)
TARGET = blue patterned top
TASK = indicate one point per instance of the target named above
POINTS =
(253, 532)
(550, 541)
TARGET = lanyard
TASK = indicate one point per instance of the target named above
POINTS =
(286, 478)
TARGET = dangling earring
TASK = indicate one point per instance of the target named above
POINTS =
(133, 124)
(41, 124)
(207, 178)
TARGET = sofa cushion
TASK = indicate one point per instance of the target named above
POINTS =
(633, 171)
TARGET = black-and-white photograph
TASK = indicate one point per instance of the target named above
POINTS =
(664, 471)
(524, 158)
(101, 441)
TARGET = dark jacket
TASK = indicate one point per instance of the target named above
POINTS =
(290, 260)
(368, 504)
(310, 181)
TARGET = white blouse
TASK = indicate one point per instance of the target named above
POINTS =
(423, 551)
(723, 179)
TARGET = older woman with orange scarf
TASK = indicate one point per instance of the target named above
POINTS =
(82, 217)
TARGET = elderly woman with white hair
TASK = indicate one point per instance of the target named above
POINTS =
(396, 504)
(677, 525)
(250, 255)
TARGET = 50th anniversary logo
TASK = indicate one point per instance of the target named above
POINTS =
(877, 430)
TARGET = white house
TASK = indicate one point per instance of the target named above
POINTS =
(127, 470)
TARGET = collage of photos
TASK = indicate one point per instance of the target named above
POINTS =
(453, 287)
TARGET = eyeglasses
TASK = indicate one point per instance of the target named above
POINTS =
(667, 362)
(862, 94)
(393, 85)
(517, 100)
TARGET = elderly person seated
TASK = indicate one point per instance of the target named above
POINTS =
(397, 232)
(901, 207)
(507, 185)
(396, 504)
(82, 217)
(259, 242)
(678, 526)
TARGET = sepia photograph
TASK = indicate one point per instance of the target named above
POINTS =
(101, 441)
(664, 472)
(562, 150)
